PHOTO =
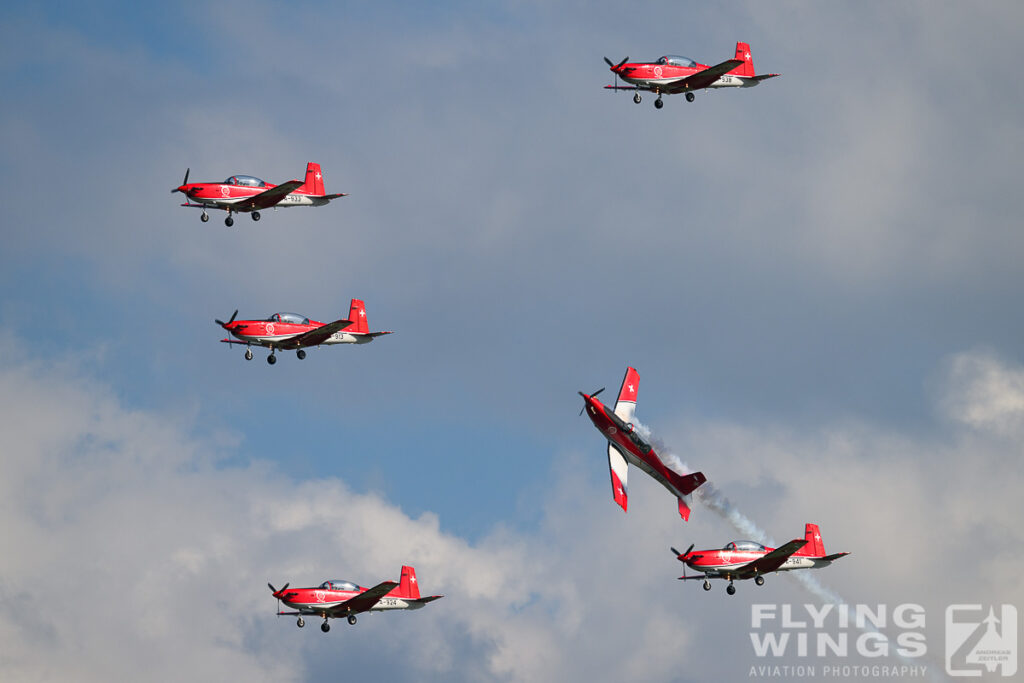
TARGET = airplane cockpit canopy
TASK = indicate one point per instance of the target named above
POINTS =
(743, 545)
(293, 318)
(339, 586)
(676, 60)
(245, 181)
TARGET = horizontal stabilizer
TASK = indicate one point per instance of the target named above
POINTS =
(691, 482)
(836, 556)
(335, 196)
(762, 77)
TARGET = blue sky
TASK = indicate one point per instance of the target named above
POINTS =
(817, 279)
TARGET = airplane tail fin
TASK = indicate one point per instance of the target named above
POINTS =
(357, 314)
(314, 180)
(815, 547)
(743, 54)
(407, 586)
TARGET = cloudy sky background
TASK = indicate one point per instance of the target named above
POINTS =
(818, 280)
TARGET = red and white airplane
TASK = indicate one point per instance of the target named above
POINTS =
(749, 560)
(334, 599)
(288, 331)
(626, 446)
(244, 193)
(672, 74)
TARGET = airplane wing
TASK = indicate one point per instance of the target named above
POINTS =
(769, 562)
(625, 406)
(317, 336)
(269, 198)
(701, 79)
(619, 469)
(365, 600)
(244, 343)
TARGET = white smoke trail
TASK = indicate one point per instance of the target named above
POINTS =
(713, 499)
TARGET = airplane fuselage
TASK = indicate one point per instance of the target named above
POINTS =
(319, 601)
(636, 451)
(218, 195)
(260, 333)
(655, 76)
(720, 562)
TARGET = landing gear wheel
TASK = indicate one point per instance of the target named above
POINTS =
(658, 104)
(205, 217)
(352, 619)
(301, 354)
(707, 585)
(637, 98)
(229, 221)
(255, 215)
(248, 354)
(325, 627)
(690, 97)
(271, 359)
(299, 622)
(730, 589)
(759, 580)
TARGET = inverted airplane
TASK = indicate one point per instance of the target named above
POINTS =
(672, 74)
(626, 447)
(741, 560)
(291, 331)
(248, 194)
(337, 599)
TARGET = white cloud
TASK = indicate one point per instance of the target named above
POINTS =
(989, 393)
(128, 552)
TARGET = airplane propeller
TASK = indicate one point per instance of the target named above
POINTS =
(615, 69)
(274, 590)
(591, 396)
(679, 554)
(225, 324)
(183, 183)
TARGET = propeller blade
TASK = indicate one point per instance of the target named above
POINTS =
(225, 324)
(271, 587)
(597, 392)
(674, 551)
(624, 60)
(183, 183)
(608, 62)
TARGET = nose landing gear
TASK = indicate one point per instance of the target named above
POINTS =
(299, 622)
(637, 99)
(204, 217)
